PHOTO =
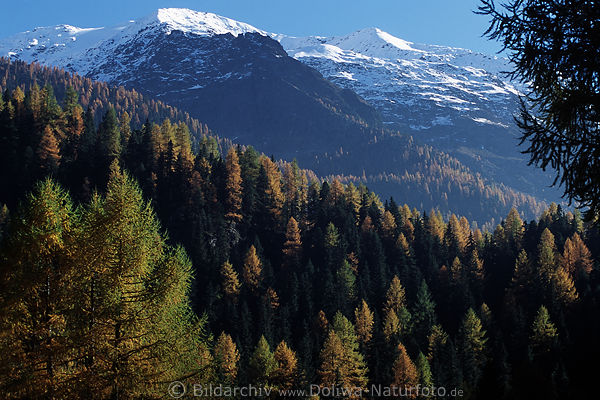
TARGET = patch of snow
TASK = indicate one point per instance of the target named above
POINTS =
(443, 98)
(399, 43)
(442, 120)
(201, 23)
(346, 75)
(326, 51)
(418, 127)
(488, 122)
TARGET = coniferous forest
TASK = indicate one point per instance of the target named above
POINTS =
(426, 177)
(135, 254)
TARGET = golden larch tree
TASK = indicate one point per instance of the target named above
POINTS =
(388, 225)
(576, 257)
(226, 356)
(391, 325)
(405, 374)
(230, 281)
(364, 322)
(233, 186)
(273, 189)
(252, 269)
(395, 297)
(286, 374)
(292, 248)
(48, 151)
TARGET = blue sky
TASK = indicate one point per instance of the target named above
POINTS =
(445, 22)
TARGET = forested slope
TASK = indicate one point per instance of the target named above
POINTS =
(422, 176)
(295, 281)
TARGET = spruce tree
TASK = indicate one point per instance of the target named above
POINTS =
(523, 279)
(346, 283)
(473, 347)
(262, 363)
(424, 370)
(476, 275)
(423, 315)
(355, 370)
(332, 242)
(544, 336)
(74, 125)
(438, 353)
(109, 134)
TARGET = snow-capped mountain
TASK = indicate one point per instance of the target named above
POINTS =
(403, 79)
(230, 75)
(87, 50)
(414, 86)
(400, 78)
(457, 100)
(297, 97)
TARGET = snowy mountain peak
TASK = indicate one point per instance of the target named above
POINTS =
(200, 23)
(367, 42)
(369, 39)
(83, 49)
(398, 76)
(391, 73)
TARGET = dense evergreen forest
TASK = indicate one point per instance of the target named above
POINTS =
(423, 176)
(95, 95)
(130, 259)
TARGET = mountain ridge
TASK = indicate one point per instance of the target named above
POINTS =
(454, 99)
(280, 104)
